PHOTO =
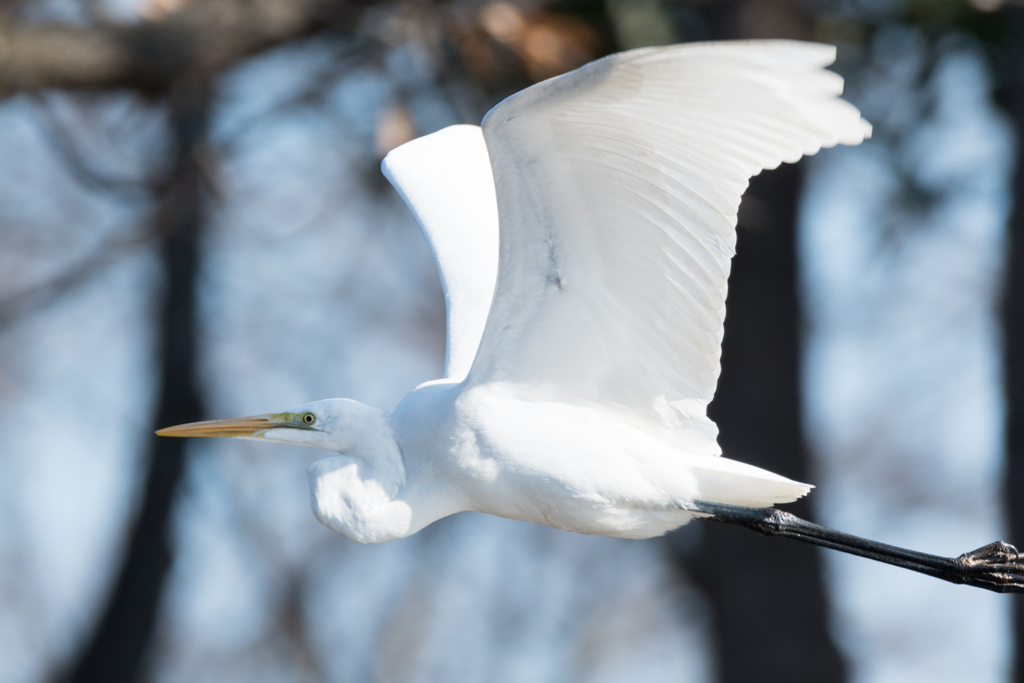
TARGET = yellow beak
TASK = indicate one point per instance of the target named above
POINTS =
(234, 426)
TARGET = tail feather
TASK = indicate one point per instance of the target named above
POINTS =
(722, 480)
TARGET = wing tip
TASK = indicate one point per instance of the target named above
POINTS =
(818, 54)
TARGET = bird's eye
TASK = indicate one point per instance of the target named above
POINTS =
(309, 418)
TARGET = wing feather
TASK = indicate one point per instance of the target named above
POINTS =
(445, 179)
(617, 188)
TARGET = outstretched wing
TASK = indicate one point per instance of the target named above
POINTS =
(617, 190)
(445, 179)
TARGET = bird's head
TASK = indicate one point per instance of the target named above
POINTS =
(351, 491)
(335, 424)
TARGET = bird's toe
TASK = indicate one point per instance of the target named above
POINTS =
(997, 566)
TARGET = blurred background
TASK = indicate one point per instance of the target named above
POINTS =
(193, 225)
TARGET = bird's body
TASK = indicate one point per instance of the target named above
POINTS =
(574, 467)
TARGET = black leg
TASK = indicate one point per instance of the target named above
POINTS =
(997, 566)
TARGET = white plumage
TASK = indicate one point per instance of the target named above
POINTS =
(583, 236)
(446, 181)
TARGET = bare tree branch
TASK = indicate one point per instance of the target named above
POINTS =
(66, 146)
(16, 306)
(203, 38)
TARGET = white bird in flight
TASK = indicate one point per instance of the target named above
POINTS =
(583, 235)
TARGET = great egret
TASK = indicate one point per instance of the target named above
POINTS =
(583, 345)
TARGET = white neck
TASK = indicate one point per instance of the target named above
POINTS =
(353, 493)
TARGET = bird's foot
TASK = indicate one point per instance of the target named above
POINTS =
(997, 566)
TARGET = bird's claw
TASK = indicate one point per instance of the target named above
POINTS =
(997, 566)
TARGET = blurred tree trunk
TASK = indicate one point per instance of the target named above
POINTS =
(119, 643)
(1013, 319)
(768, 598)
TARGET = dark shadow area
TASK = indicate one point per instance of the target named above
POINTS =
(768, 601)
(1013, 321)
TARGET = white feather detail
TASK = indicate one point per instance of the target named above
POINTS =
(617, 188)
